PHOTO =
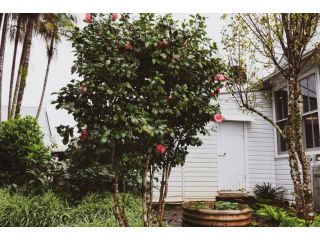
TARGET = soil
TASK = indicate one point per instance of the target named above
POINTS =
(173, 215)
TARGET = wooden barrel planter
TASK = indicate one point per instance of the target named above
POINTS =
(207, 216)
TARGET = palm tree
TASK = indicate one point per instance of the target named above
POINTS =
(1, 15)
(31, 23)
(52, 27)
(2, 52)
(16, 35)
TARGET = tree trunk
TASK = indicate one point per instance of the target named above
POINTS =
(13, 67)
(1, 16)
(293, 157)
(144, 192)
(117, 211)
(120, 216)
(23, 70)
(50, 54)
(305, 164)
(151, 175)
(2, 52)
(163, 192)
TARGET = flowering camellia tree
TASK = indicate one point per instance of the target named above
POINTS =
(148, 89)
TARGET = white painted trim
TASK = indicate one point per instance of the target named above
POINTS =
(246, 165)
(286, 155)
(218, 147)
(314, 70)
(237, 118)
(317, 75)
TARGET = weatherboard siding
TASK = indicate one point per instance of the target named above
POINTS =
(259, 140)
(198, 178)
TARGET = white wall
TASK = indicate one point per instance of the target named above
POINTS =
(198, 178)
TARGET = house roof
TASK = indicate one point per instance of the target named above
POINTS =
(32, 111)
(276, 73)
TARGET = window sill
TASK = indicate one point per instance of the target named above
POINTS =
(308, 152)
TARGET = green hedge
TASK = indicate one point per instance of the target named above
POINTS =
(48, 210)
(24, 158)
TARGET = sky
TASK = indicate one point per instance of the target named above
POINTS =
(60, 71)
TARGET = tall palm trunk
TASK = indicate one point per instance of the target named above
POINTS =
(50, 54)
(1, 16)
(23, 70)
(2, 52)
(13, 67)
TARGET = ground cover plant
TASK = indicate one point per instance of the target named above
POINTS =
(49, 210)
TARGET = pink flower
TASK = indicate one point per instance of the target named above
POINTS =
(170, 97)
(88, 17)
(128, 46)
(219, 77)
(160, 148)
(216, 92)
(83, 88)
(218, 117)
(84, 135)
(114, 16)
(163, 43)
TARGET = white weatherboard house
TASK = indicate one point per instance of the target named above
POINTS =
(245, 149)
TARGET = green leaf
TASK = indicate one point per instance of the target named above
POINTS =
(164, 55)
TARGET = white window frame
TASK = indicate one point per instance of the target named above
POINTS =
(302, 76)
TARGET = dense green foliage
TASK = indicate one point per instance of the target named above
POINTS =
(278, 217)
(145, 81)
(142, 83)
(24, 159)
(266, 191)
(221, 205)
(48, 210)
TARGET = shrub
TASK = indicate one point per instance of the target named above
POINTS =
(292, 222)
(316, 221)
(267, 192)
(278, 217)
(24, 159)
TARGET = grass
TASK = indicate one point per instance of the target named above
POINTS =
(48, 210)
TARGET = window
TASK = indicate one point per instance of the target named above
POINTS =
(310, 121)
(281, 102)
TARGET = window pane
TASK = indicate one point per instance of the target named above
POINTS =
(278, 101)
(282, 145)
(312, 92)
(281, 101)
(316, 130)
(308, 129)
(285, 103)
(304, 92)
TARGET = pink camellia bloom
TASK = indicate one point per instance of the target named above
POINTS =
(84, 135)
(128, 46)
(114, 16)
(88, 17)
(216, 92)
(218, 117)
(219, 77)
(170, 97)
(163, 43)
(160, 148)
(83, 88)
